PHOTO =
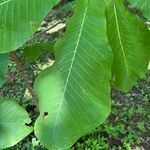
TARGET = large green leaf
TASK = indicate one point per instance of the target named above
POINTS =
(129, 40)
(4, 59)
(143, 5)
(19, 19)
(13, 120)
(74, 95)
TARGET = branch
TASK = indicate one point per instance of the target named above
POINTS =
(24, 74)
(49, 28)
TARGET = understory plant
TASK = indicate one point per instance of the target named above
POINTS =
(105, 44)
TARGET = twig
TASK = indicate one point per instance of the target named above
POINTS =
(49, 28)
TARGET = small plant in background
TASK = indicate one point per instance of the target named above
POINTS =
(106, 43)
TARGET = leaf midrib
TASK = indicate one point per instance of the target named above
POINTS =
(5, 2)
(12, 124)
(120, 39)
(70, 69)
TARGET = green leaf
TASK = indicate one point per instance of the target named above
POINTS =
(32, 52)
(74, 94)
(4, 59)
(143, 5)
(19, 20)
(13, 120)
(129, 40)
